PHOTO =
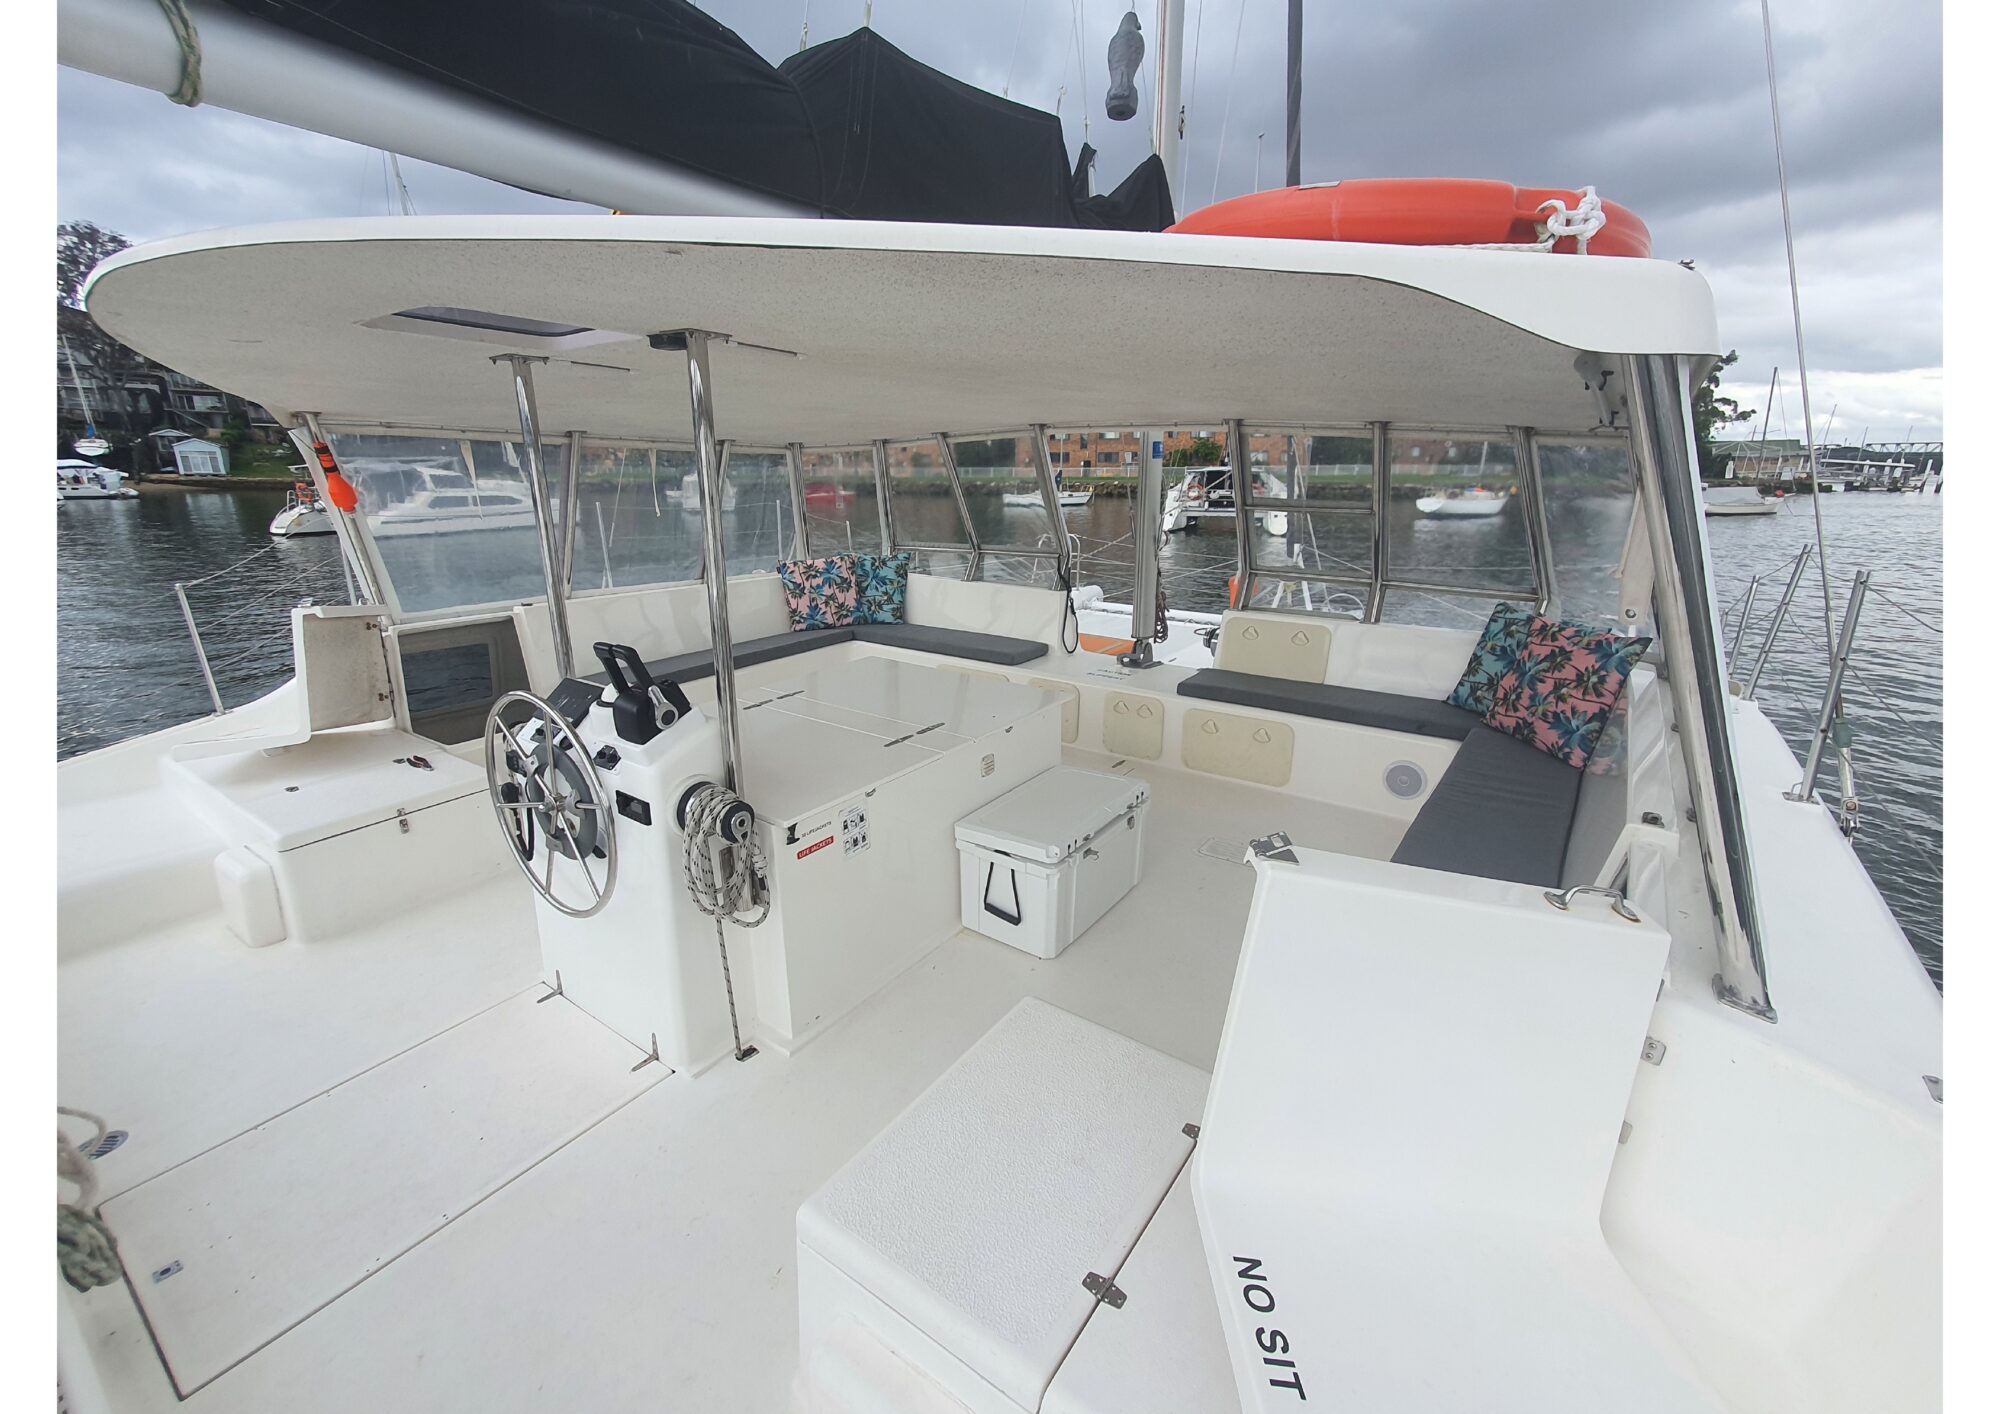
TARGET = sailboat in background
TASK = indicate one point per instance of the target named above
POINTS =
(89, 444)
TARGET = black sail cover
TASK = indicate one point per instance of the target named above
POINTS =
(853, 127)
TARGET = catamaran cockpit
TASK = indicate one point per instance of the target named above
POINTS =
(744, 950)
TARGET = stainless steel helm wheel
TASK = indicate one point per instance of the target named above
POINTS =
(550, 802)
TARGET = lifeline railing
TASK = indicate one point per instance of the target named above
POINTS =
(308, 585)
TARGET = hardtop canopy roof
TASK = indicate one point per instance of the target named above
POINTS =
(886, 330)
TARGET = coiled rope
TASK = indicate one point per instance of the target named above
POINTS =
(707, 809)
(85, 1249)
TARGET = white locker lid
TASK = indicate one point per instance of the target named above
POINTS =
(1052, 816)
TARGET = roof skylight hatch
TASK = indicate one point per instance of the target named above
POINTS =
(515, 331)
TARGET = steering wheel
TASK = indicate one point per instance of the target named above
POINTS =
(550, 800)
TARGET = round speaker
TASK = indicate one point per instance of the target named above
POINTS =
(1405, 779)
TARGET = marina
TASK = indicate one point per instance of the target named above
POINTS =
(855, 777)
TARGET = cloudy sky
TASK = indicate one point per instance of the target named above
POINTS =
(1662, 107)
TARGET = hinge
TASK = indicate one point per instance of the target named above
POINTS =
(1653, 1052)
(1935, 1085)
(1276, 846)
(1104, 1289)
(402, 820)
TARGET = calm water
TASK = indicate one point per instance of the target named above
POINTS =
(126, 665)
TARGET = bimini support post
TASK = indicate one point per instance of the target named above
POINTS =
(714, 557)
(1146, 511)
(350, 531)
(520, 366)
(1690, 637)
(1239, 481)
(795, 471)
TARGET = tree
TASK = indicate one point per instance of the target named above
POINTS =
(1204, 451)
(81, 246)
(1713, 411)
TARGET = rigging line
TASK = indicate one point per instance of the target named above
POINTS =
(1020, 19)
(1187, 95)
(1228, 93)
(1798, 332)
(1914, 618)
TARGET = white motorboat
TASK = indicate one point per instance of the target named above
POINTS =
(424, 498)
(304, 513)
(87, 481)
(1737, 501)
(1469, 503)
(1209, 493)
(1068, 500)
(689, 495)
(494, 1027)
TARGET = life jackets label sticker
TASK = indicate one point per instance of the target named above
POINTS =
(816, 846)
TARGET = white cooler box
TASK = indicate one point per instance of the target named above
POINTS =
(1046, 860)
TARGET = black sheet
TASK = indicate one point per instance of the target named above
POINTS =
(851, 127)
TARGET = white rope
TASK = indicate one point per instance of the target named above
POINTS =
(1228, 93)
(1583, 221)
(719, 897)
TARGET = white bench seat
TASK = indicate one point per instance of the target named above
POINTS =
(961, 1236)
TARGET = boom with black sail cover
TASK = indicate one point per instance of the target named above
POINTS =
(852, 128)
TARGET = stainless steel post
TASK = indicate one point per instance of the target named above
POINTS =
(795, 466)
(201, 653)
(1541, 545)
(882, 510)
(715, 558)
(538, 490)
(350, 531)
(572, 474)
(1239, 480)
(1829, 707)
(1378, 589)
(1045, 472)
(1743, 623)
(1777, 620)
(950, 463)
(1146, 510)
(1664, 460)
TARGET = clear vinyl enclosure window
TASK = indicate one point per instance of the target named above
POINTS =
(451, 518)
(1589, 497)
(1312, 497)
(842, 513)
(924, 510)
(1003, 496)
(1456, 516)
(638, 517)
(756, 508)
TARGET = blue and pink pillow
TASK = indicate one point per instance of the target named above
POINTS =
(1549, 682)
(819, 593)
(882, 583)
(837, 590)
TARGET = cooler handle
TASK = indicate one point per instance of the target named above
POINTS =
(986, 898)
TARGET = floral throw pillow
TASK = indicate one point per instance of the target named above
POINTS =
(1560, 691)
(1499, 651)
(819, 593)
(882, 583)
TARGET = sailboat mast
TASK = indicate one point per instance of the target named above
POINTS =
(1294, 61)
(1169, 119)
(89, 422)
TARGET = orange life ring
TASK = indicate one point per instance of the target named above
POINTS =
(1415, 211)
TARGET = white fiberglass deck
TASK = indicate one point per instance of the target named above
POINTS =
(645, 1262)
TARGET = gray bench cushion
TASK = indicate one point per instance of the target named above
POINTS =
(954, 642)
(1502, 810)
(1390, 711)
(950, 642)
